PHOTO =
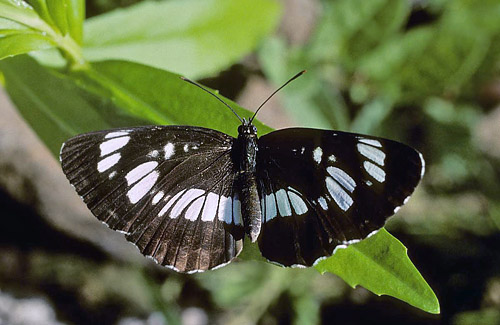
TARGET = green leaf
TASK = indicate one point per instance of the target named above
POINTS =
(109, 94)
(57, 10)
(75, 11)
(10, 27)
(13, 15)
(21, 13)
(51, 103)
(195, 38)
(42, 10)
(380, 264)
(21, 43)
(162, 97)
(68, 16)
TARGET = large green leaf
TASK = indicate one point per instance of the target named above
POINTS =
(195, 37)
(51, 103)
(109, 94)
(163, 98)
(380, 264)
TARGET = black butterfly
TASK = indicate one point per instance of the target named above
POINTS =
(186, 196)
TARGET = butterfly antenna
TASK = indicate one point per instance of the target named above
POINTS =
(268, 98)
(211, 93)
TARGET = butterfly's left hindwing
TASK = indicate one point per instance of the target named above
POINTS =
(170, 189)
(320, 189)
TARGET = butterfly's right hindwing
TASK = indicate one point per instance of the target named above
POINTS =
(168, 188)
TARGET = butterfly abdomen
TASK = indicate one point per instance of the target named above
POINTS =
(250, 207)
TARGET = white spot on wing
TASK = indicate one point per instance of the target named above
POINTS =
(343, 200)
(116, 134)
(298, 204)
(108, 162)
(371, 142)
(169, 203)
(283, 204)
(317, 154)
(140, 171)
(140, 189)
(422, 172)
(112, 175)
(186, 148)
(194, 209)
(375, 171)
(396, 209)
(225, 212)
(302, 150)
(350, 242)
(210, 208)
(372, 233)
(320, 259)
(157, 197)
(322, 203)
(342, 178)
(112, 145)
(270, 207)
(262, 208)
(169, 150)
(374, 154)
(185, 200)
(338, 247)
(153, 154)
(237, 218)
(332, 158)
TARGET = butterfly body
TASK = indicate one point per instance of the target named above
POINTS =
(246, 148)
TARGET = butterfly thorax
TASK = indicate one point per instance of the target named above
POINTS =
(246, 158)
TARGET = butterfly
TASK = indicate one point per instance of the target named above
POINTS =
(187, 196)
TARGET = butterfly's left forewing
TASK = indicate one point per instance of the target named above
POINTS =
(320, 189)
(170, 189)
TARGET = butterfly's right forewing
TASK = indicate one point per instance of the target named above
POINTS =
(168, 188)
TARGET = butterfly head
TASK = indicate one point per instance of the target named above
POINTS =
(247, 128)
